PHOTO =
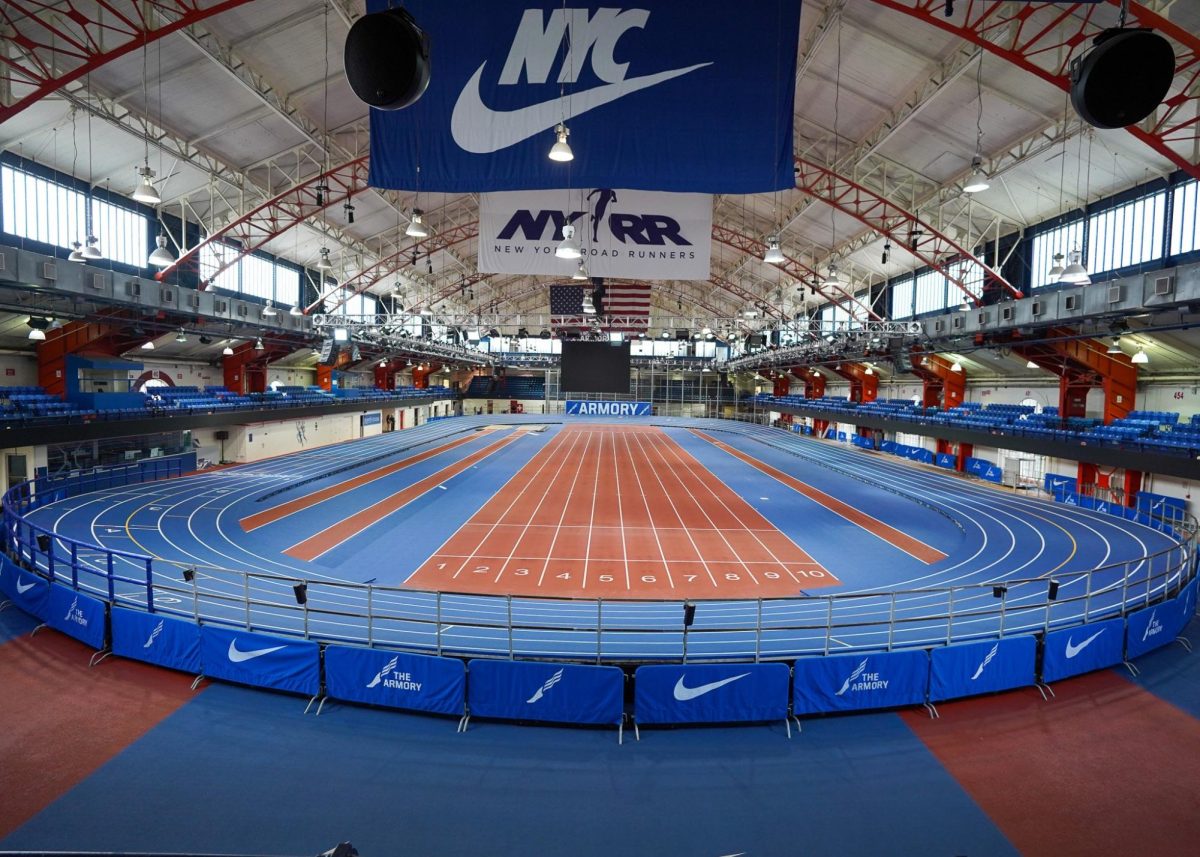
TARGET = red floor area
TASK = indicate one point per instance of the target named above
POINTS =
(63, 720)
(619, 512)
(1104, 768)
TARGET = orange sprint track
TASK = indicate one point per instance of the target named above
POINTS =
(277, 513)
(913, 547)
(619, 512)
(345, 529)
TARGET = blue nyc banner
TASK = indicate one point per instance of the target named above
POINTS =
(76, 615)
(1073, 651)
(559, 693)
(710, 693)
(29, 592)
(156, 639)
(849, 682)
(662, 95)
(966, 669)
(260, 660)
(607, 409)
(396, 680)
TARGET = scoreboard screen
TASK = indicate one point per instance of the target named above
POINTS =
(595, 367)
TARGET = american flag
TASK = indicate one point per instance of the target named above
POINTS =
(566, 306)
(628, 301)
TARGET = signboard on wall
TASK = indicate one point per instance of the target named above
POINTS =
(372, 419)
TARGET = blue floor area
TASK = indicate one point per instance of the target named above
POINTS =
(238, 770)
(991, 536)
(1172, 672)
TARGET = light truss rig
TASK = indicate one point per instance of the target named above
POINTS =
(813, 341)
(394, 337)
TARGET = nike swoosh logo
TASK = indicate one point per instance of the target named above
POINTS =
(481, 130)
(23, 589)
(1073, 650)
(238, 657)
(683, 693)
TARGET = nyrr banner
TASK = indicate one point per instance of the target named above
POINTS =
(559, 693)
(76, 615)
(711, 693)
(418, 682)
(260, 660)
(631, 234)
(849, 682)
(156, 639)
(660, 95)
(1072, 651)
(607, 409)
(967, 669)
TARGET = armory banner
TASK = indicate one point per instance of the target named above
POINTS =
(630, 234)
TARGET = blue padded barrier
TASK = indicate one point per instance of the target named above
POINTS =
(945, 459)
(1152, 627)
(261, 660)
(1053, 483)
(1158, 504)
(853, 682)
(557, 693)
(76, 615)
(28, 591)
(416, 682)
(156, 639)
(966, 669)
(710, 693)
(1187, 605)
(992, 473)
(1073, 651)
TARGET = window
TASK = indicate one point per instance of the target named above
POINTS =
(212, 258)
(902, 298)
(258, 277)
(353, 304)
(287, 286)
(1062, 240)
(41, 210)
(859, 312)
(253, 276)
(123, 234)
(930, 290)
(972, 275)
(1185, 234)
(1126, 235)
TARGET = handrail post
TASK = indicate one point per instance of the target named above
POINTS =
(1124, 586)
(370, 615)
(1003, 604)
(111, 583)
(438, 629)
(758, 632)
(150, 584)
(304, 607)
(891, 620)
(74, 565)
(599, 628)
(1087, 597)
(508, 598)
(195, 600)
(828, 621)
(950, 618)
(246, 595)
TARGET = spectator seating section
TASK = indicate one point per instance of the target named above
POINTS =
(1146, 431)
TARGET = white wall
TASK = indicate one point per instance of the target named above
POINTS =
(18, 370)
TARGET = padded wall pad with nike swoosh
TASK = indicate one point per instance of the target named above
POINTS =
(257, 659)
(1082, 649)
(710, 693)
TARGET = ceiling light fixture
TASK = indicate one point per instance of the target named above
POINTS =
(227, 351)
(76, 256)
(1029, 364)
(580, 272)
(1075, 272)
(1114, 347)
(323, 264)
(1141, 358)
(295, 311)
(568, 248)
(146, 191)
(258, 344)
(955, 366)
(160, 256)
(148, 345)
(416, 227)
(561, 150)
(181, 336)
(1057, 271)
(978, 182)
(269, 310)
(92, 250)
(773, 256)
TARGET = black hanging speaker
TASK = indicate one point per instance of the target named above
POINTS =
(1123, 79)
(387, 59)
